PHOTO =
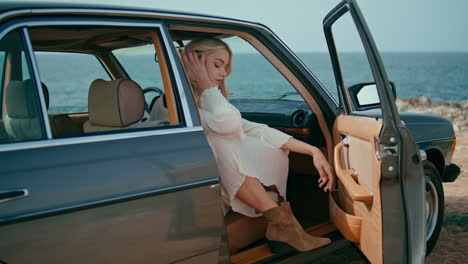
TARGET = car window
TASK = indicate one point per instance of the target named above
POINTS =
(320, 65)
(94, 79)
(356, 72)
(142, 66)
(254, 77)
(21, 118)
(68, 86)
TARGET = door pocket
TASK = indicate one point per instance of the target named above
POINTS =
(349, 225)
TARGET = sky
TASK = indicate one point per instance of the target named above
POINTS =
(397, 25)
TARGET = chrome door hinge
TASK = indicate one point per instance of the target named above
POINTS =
(385, 150)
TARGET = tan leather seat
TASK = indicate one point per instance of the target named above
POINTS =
(23, 119)
(243, 231)
(62, 125)
(114, 105)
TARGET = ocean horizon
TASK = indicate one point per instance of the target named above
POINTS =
(441, 76)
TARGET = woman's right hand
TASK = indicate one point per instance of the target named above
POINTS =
(196, 70)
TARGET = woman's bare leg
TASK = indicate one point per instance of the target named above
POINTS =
(254, 194)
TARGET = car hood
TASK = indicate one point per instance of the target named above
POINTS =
(426, 127)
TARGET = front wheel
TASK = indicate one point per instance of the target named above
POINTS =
(434, 204)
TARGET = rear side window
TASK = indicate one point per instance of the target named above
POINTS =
(21, 118)
(98, 77)
(68, 86)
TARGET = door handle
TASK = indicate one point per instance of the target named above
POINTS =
(348, 178)
(9, 195)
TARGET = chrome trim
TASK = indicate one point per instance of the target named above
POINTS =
(123, 198)
(160, 14)
(97, 138)
(35, 70)
(435, 140)
(182, 96)
(24, 194)
(13, 13)
(86, 23)
(423, 154)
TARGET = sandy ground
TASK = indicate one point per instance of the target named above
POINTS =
(452, 246)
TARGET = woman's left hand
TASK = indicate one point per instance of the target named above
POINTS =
(326, 179)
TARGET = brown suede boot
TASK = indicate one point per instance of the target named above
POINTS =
(284, 232)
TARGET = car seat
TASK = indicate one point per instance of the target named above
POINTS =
(22, 120)
(61, 125)
(114, 105)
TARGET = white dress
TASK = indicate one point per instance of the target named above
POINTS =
(242, 148)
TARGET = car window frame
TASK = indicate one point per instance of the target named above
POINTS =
(187, 124)
(280, 56)
(29, 60)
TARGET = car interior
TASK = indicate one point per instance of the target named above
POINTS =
(245, 236)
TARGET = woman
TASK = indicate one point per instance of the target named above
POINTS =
(251, 157)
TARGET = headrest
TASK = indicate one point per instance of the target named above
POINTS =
(116, 103)
(20, 98)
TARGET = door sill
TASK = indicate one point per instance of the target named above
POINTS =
(263, 252)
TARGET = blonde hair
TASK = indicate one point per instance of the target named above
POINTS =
(208, 45)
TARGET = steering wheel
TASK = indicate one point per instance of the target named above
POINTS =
(158, 92)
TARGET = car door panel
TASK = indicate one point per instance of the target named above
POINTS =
(355, 206)
(115, 199)
(161, 229)
(401, 181)
(147, 196)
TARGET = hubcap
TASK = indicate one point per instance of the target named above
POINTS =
(432, 208)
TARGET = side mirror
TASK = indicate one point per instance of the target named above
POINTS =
(365, 95)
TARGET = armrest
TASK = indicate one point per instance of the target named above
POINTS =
(348, 178)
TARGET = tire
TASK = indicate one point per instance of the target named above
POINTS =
(434, 205)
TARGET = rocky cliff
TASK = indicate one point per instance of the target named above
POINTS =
(457, 112)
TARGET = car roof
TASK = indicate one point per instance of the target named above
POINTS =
(43, 38)
(7, 8)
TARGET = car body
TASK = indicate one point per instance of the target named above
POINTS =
(83, 181)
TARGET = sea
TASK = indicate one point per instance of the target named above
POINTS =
(439, 76)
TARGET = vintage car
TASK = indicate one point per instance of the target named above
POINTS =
(89, 174)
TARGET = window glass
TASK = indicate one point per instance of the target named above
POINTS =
(21, 118)
(355, 68)
(253, 76)
(67, 76)
(320, 65)
(142, 66)
(95, 77)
